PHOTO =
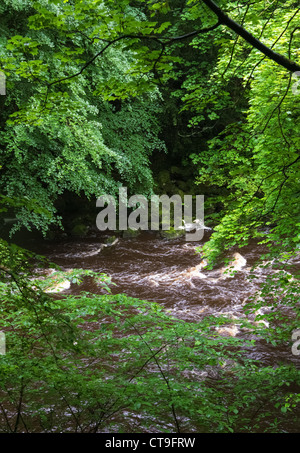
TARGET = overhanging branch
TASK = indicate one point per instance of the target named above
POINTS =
(223, 19)
(256, 43)
(163, 41)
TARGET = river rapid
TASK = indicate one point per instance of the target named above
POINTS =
(169, 272)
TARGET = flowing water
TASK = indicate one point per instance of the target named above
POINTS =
(169, 272)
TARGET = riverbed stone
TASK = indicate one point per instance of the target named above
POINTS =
(172, 233)
(111, 240)
(58, 287)
(79, 230)
(131, 233)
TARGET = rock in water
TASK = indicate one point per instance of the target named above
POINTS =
(229, 331)
(113, 240)
(236, 264)
(130, 233)
(239, 261)
(58, 287)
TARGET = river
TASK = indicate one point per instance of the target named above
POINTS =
(167, 272)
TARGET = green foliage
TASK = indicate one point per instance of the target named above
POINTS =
(94, 362)
(81, 363)
(75, 58)
(253, 153)
(69, 136)
(83, 114)
(276, 304)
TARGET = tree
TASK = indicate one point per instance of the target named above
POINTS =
(142, 45)
(267, 51)
(254, 158)
(70, 139)
(88, 83)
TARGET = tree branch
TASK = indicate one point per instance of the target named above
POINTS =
(256, 43)
(194, 33)
(138, 36)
